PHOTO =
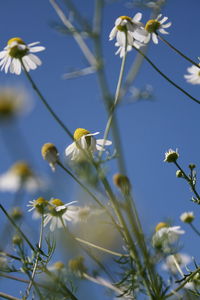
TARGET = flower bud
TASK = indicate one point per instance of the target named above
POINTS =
(122, 182)
(179, 174)
(171, 156)
(50, 153)
(187, 217)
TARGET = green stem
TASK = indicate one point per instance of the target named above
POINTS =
(34, 86)
(6, 296)
(178, 51)
(183, 284)
(37, 259)
(195, 229)
(17, 228)
(166, 77)
(188, 180)
(116, 100)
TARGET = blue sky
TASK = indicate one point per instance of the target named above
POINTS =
(147, 128)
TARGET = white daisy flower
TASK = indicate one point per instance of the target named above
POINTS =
(176, 261)
(59, 213)
(39, 206)
(84, 143)
(123, 30)
(166, 235)
(171, 156)
(16, 52)
(20, 176)
(151, 29)
(194, 76)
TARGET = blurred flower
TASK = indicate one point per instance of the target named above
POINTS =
(39, 206)
(175, 262)
(122, 182)
(20, 176)
(50, 153)
(16, 213)
(151, 29)
(84, 144)
(59, 213)
(123, 31)
(166, 235)
(187, 217)
(58, 266)
(77, 265)
(194, 76)
(171, 156)
(13, 102)
(17, 52)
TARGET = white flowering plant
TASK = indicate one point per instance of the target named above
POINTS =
(80, 195)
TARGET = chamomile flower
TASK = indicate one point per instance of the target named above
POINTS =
(39, 206)
(171, 156)
(59, 213)
(187, 217)
(16, 53)
(50, 153)
(194, 74)
(166, 235)
(20, 175)
(123, 31)
(84, 143)
(151, 29)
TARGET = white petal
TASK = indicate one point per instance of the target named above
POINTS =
(33, 44)
(163, 20)
(137, 17)
(154, 38)
(113, 33)
(15, 66)
(167, 25)
(163, 31)
(3, 54)
(70, 149)
(36, 49)
(90, 134)
(29, 64)
(7, 64)
(104, 142)
(35, 59)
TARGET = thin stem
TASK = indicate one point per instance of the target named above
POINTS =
(116, 100)
(166, 77)
(37, 258)
(17, 228)
(34, 86)
(183, 284)
(6, 296)
(100, 248)
(195, 229)
(78, 38)
(107, 97)
(178, 51)
(188, 180)
(90, 193)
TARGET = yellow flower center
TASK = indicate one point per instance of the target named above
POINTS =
(160, 226)
(40, 201)
(57, 202)
(48, 148)
(79, 132)
(21, 169)
(126, 18)
(14, 50)
(152, 26)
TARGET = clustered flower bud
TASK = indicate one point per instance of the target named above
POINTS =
(179, 173)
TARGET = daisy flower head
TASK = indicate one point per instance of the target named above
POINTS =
(151, 29)
(59, 213)
(194, 74)
(20, 175)
(166, 235)
(17, 54)
(84, 145)
(123, 31)
(39, 206)
(187, 217)
(171, 156)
